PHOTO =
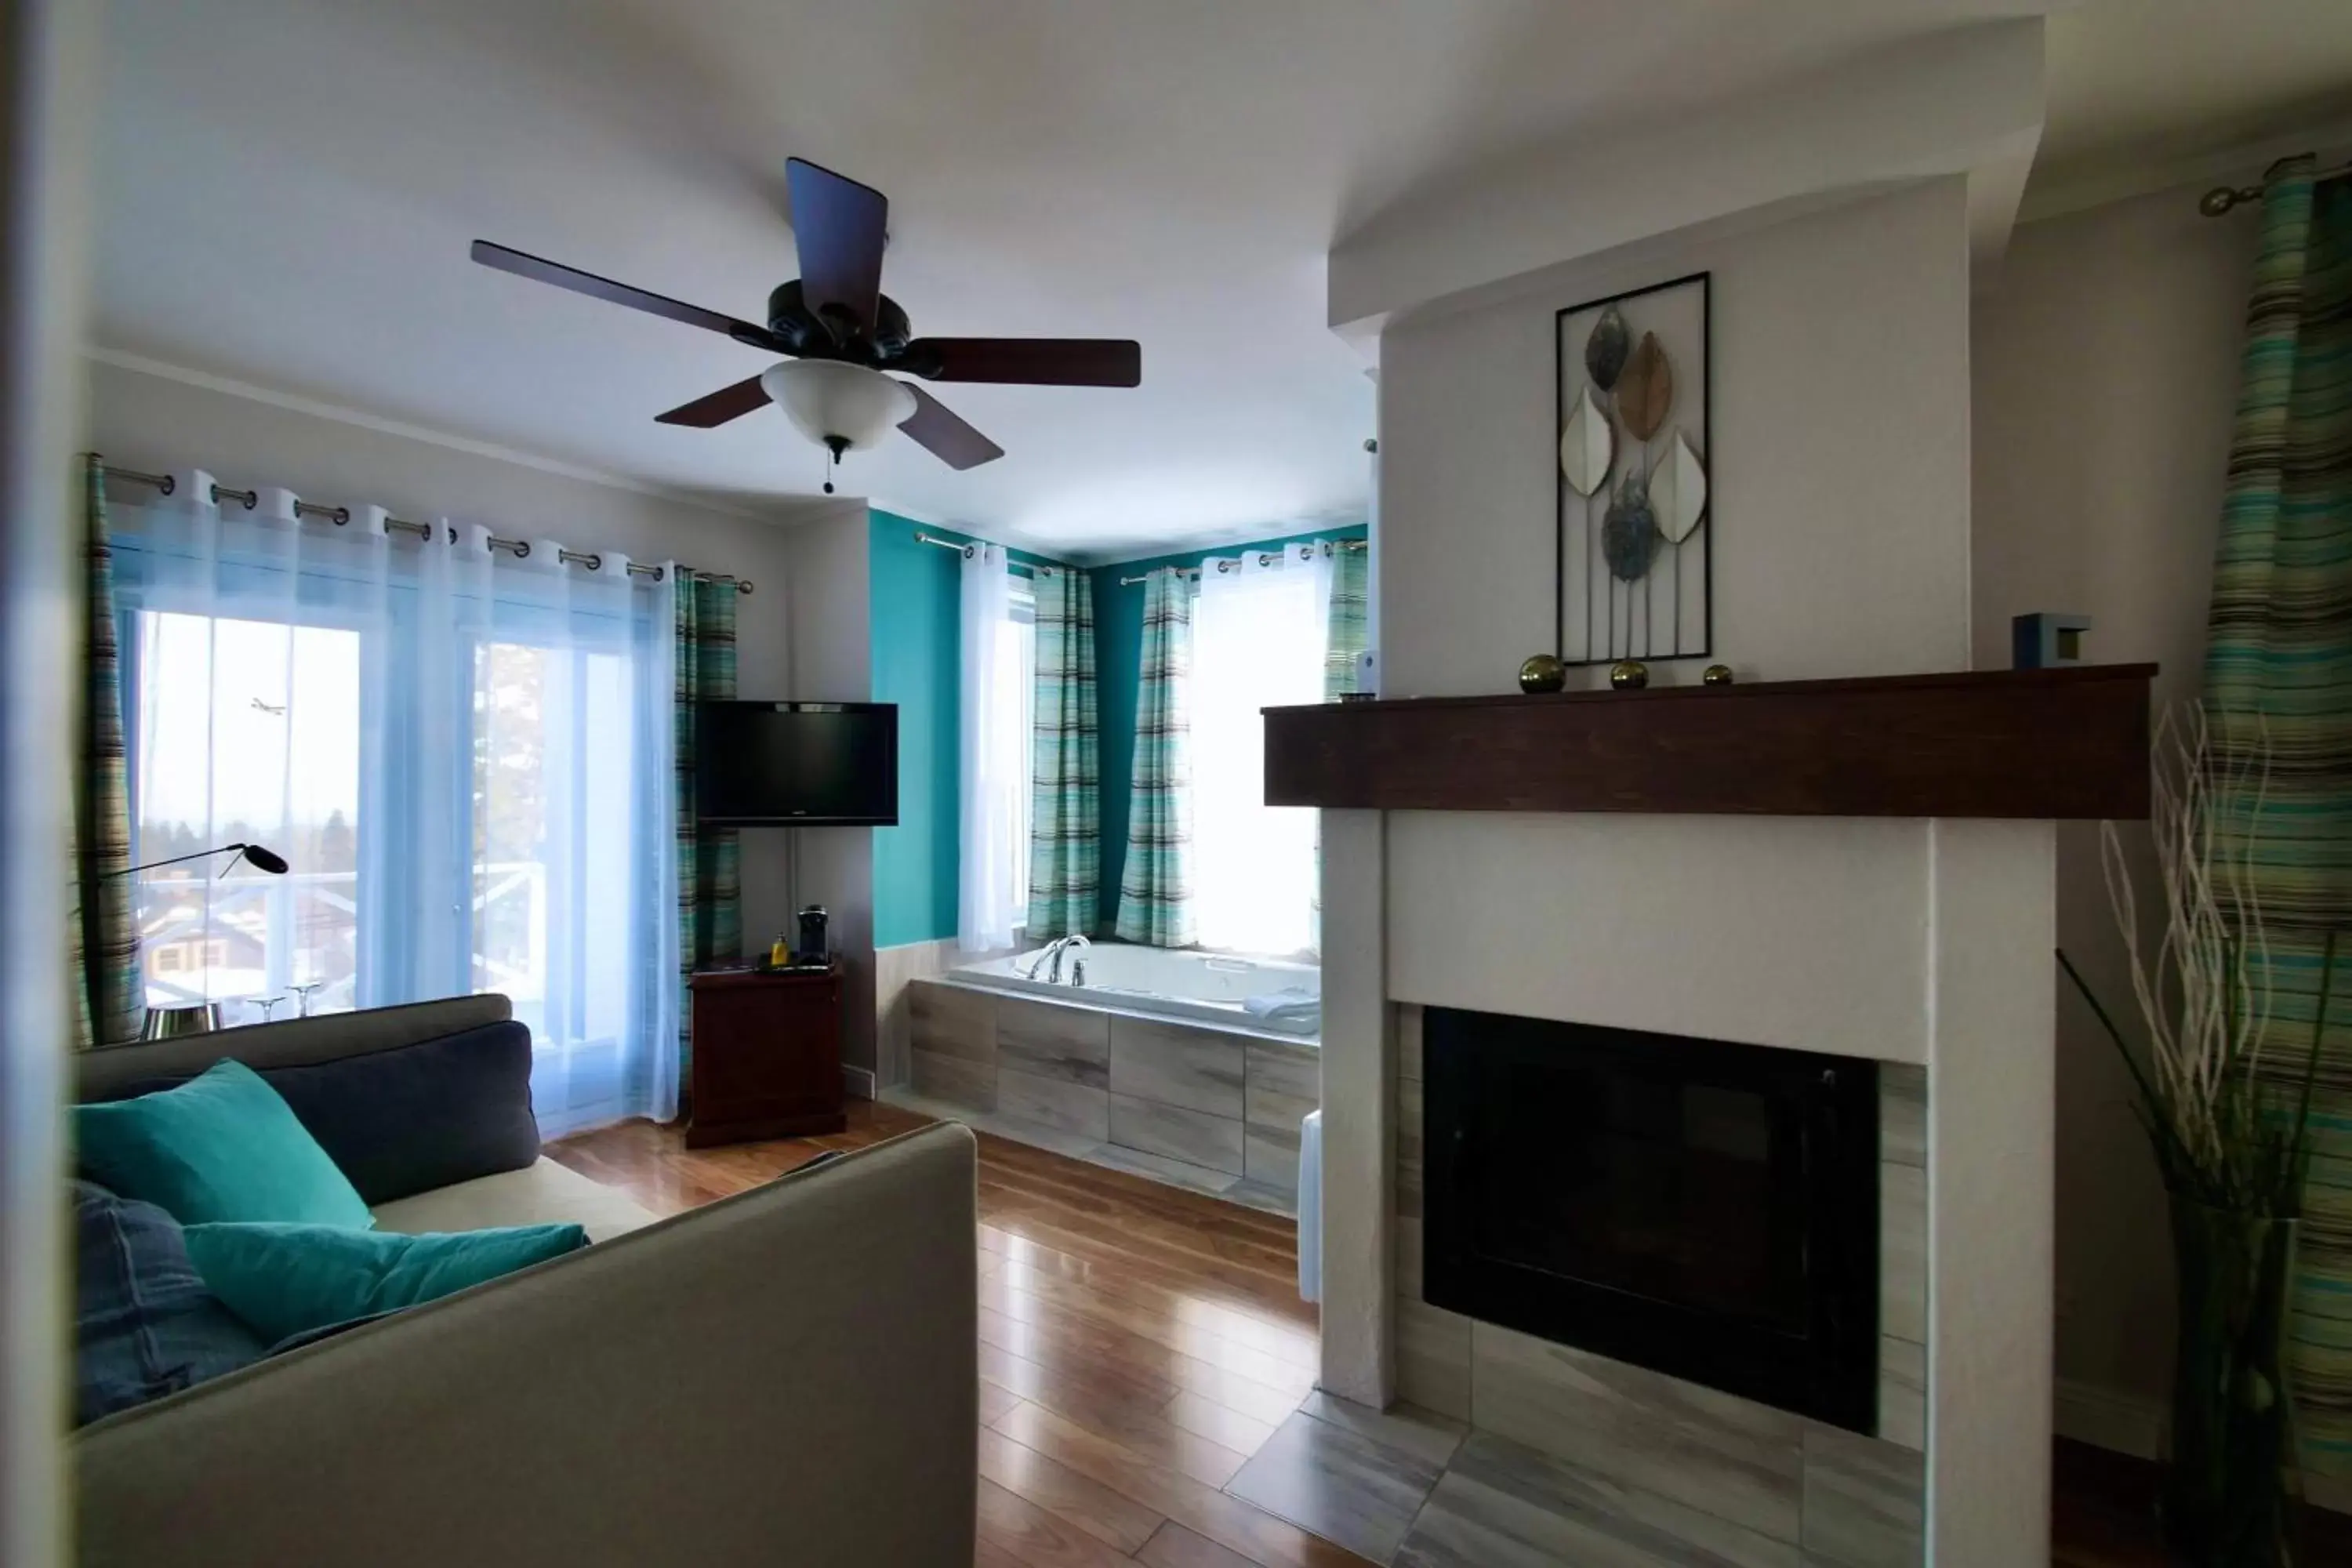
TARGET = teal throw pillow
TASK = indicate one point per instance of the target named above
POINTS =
(223, 1146)
(286, 1280)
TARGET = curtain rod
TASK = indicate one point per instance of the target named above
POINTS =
(961, 548)
(342, 515)
(1264, 558)
(2222, 198)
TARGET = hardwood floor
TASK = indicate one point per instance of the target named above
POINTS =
(1139, 1344)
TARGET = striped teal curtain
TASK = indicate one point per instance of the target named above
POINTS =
(1155, 889)
(1064, 842)
(1343, 646)
(709, 872)
(104, 934)
(2280, 652)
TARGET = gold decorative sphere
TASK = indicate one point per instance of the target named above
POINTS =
(1542, 672)
(1716, 675)
(1629, 675)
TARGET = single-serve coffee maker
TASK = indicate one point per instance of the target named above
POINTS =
(814, 948)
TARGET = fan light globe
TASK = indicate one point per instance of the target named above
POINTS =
(828, 401)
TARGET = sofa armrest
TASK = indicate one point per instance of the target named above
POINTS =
(784, 1377)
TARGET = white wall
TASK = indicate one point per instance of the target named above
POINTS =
(2106, 377)
(830, 615)
(1840, 482)
(800, 634)
(1840, 464)
(1808, 933)
(1839, 473)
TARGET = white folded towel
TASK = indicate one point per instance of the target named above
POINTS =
(1295, 1004)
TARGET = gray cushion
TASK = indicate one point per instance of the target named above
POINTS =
(105, 1074)
(424, 1116)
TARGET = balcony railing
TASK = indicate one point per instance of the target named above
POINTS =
(303, 928)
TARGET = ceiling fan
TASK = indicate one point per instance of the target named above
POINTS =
(843, 333)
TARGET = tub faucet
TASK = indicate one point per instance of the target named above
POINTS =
(1051, 959)
(1051, 953)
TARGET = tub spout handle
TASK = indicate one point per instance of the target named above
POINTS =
(1078, 972)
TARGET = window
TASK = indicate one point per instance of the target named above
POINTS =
(553, 739)
(467, 764)
(1257, 641)
(246, 732)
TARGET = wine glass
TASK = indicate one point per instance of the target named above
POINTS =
(303, 990)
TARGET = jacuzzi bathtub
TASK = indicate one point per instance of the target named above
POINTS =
(1209, 986)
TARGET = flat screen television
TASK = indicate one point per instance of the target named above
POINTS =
(797, 765)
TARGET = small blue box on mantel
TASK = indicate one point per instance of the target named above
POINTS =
(2047, 639)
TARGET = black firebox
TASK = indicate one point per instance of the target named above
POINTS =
(1704, 1209)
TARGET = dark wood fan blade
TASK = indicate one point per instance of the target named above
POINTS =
(1033, 362)
(727, 403)
(951, 440)
(541, 270)
(839, 226)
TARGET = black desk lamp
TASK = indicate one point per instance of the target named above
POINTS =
(199, 1017)
(260, 859)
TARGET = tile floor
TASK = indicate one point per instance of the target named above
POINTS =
(1419, 1490)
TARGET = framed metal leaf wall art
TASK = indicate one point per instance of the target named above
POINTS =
(1636, 519)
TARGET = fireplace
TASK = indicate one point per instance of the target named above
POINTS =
(1704, 1209)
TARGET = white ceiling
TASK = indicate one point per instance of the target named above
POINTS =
(2142, 92)
(289, 187)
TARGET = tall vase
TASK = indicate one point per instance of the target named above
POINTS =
(2225, 1486)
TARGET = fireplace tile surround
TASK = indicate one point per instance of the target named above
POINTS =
(1435, 1371)
(1704, 1470)
(1704, 1208)
(1923, 945)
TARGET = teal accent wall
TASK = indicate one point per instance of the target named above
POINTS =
(915, 597)
(1119, 667)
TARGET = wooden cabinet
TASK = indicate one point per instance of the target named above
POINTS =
(767, 1056)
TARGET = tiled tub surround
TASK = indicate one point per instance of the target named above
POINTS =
(1651, 1463)
(1215, 1110)
(894, 968)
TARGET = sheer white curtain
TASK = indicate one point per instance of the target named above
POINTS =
(1257, 641)
(575, 863)
(994, 736)
(466, 758)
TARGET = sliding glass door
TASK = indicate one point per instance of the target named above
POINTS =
(468, 769)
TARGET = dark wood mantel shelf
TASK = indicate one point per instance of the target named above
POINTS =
(2012, 743)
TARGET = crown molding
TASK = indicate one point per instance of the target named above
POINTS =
(295, 402)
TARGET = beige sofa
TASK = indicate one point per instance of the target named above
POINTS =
(784, 1377)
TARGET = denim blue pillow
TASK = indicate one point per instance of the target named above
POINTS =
(144, 1325)
(288, 1279)
(223, 1146)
